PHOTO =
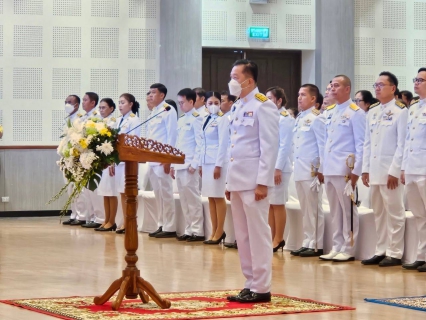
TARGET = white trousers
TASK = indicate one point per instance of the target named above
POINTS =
(389, 214)
(313, 215)
(190, 200)
(340, 210)
(78, 206)
(162, 184)
(416, 197)
(94, 209)
(253, 236)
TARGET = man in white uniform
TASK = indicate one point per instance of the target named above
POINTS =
(254, 149)
(381, 168)
(226, 102)
(344, 138)
(189, 141)
(72, 104)
(328, 99)
(308, 148)
(200, 103)
(414, 168)
(163, 128)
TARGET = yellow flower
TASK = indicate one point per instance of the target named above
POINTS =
(104, 132)
(74, 152)
(83, 143)
(90, 124)
(109, 134)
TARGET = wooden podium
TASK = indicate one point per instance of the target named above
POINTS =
(133, 150)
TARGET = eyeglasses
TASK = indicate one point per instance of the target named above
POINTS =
(357, 100)
(418, 80)
(380, 85)
(180, 103)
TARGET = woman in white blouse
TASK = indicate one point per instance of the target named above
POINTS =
(214, 163)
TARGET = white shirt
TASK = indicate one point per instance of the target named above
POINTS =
(110, 121)
(189, 139)
(308, 143)
(385, 135)
(90, 114)
(254, 143)
(202, 111)
(214, 148)
(344, 135)
(128, 123)
(285, 156)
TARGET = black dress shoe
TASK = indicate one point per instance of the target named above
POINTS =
(77, 223)
(373, 261)
(153, 234)
(194, 238)
(183, 237)
(242, 293)
(121, 231)
(422, 268)
(112, 228)
(254, 297)
(311, 253)
(298, 251)
(413, 266)
(166, 234)
(390, 262)
(231, 245)
(68, 222)
(91, 225)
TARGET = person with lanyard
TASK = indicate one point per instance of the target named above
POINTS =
(413, 173)
(72, 105)
(162, 128)
(128, 123)
(254, 130)
(214, 164)
(308, 149)
(187, 178)
(344, 142)
(106, 186)
(278, 194)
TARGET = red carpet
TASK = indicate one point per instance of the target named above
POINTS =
(186, 305)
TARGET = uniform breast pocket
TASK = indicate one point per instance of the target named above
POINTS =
(344, 123)
(305, 128)
(247, 122)
(387, 123)
(187, 127)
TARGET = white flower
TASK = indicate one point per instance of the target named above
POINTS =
(99, 126)
(87, 158)
(77, 126)
(62, 146)
(75, 138)
(106, 148)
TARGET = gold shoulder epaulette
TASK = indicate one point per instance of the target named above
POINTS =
(165, 105)
(354, 107)
(261, 97)
(374, 105)
(95, 113)
(195, 114)
(120, 116)
(316, 112)
(132, 115)
(220, 114)
(79, 115)
(284, 113)
(181, 115)
(331, 107)
(400, 104)
(113, 119)
(414, 102)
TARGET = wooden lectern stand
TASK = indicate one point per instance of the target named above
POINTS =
(133, 150)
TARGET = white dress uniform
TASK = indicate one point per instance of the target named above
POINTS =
(214, 153)
(308, 147)
(125, 123)
(106, 186)
(344, 135)
(189, 141)
(202, 111)
(95, 211)
(415, 170)
(163, 129)
(278, 194)
(383, 152)
(254, 132)
(78, 206)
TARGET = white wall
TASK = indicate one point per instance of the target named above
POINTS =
(389, 36)
(52, 48)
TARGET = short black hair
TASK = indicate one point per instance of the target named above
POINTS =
(188, 93)
(407, 94)
(278, 93)
(173, 104)
(320, 99)
(93, 97)
(200, 92)
(148, 93)
(398, 93)
(160, 87)
(212, 94)
(313, 90)
(250, 67)
(367, 96)
(423, 69)
(109, 102)
(76, 97)
(230, 97)
(391, 78)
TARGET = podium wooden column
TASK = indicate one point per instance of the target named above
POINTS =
(133, 150)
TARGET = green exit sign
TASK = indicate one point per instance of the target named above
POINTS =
(259, 33)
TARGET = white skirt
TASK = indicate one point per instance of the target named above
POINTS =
(211, 187)
(278, 195)
(119, 178)
(106, 186)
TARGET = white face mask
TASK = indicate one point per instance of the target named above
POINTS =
(235, 87)
(213, 108)
(69, 108)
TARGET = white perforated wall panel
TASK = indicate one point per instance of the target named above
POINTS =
(389, 36)
(50, 49)
(291, 24)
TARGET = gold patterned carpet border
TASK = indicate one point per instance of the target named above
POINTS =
(414, 303)
(186, 305)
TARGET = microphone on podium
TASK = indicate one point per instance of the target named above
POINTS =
(165, 109)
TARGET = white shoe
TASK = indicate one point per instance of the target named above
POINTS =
(329, 257)
(343, 257)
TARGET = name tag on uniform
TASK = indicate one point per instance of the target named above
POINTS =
(248, 114)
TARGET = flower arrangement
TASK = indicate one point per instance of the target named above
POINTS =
(86, 149)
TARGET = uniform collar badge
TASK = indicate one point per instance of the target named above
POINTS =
(248, 114)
